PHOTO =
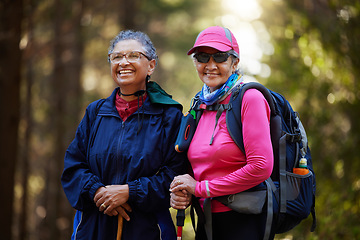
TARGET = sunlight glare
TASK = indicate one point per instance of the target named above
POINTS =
(241, 17)
(247, 10)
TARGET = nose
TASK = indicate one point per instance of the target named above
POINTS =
(211, 64)
(123, 61)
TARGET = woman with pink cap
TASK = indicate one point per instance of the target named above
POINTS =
(219, 166)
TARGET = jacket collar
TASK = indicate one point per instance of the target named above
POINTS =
(152, 105)
(158, 95)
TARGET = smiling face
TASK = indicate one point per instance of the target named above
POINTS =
(214, 74)
(130, 76)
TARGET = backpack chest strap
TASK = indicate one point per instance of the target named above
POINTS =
(220, 109)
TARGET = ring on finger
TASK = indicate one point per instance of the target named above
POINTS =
(103, 206)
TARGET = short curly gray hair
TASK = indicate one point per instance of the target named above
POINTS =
(141, 37)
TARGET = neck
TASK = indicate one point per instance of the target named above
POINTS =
(131, 96)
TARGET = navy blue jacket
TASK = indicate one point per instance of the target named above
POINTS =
(108, 151)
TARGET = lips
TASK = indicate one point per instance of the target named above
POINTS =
(212, 74)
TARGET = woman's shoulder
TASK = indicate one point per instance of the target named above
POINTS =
(108, 102)
(93, 108)
(251, 98)
(254, 99)
(96, 104)
(253, 95)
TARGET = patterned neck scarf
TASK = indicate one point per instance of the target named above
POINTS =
(209, 98)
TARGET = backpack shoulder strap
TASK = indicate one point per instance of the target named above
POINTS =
(261, 88)
(233, 116)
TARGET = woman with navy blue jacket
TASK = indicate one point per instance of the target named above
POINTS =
(122, 160)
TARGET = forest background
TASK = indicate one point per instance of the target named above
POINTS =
(53, 63)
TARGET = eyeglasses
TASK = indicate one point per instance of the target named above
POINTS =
(218, 57)
(135, 56)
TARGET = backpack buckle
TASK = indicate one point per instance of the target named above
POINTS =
(296, 137)
(202, 106)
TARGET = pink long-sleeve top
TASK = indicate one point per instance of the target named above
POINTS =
(222, 168)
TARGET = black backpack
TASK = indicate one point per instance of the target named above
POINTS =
(294, 194)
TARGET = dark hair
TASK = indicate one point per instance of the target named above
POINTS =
(141, 37)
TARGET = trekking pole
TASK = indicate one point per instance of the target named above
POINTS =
(180, 218)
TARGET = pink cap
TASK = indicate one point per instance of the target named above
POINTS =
(216, 37)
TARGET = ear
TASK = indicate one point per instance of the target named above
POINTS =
(151, 67)
(235, 64)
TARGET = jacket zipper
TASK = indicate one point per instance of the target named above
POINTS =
(119, 149)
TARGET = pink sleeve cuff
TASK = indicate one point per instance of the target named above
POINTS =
(202, 189)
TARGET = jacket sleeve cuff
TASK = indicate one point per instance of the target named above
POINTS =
(93, 189)
(132, 190)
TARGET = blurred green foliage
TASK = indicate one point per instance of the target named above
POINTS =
(316, 66)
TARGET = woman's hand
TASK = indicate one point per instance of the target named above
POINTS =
(182, 188)
(122, 210)
(112, 200)
(180, 199)
(183, 182)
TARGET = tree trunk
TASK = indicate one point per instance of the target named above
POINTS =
(72, 107)
(65, 107)
(11, 11)
(28, 120)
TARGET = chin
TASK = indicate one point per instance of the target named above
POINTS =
(126, 81)
(213, 85)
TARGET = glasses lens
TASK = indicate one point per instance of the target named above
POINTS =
(202, 57)
(133, 56)
(220, 57)
(116, 57)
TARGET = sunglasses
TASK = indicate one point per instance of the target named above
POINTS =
(218, 57)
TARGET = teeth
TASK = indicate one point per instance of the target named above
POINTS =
(125, 71)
